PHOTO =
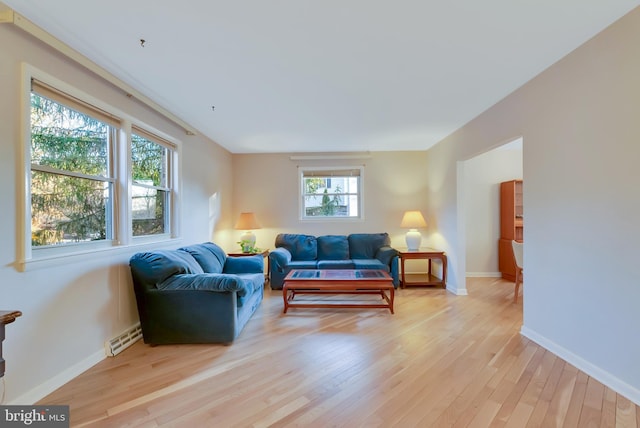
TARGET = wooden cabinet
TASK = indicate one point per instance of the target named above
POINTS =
(511, 226)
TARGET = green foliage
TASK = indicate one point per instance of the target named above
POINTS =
(148, 161)
(67, 208)
(311, 185)
(247, 247)
(329, 205)
(330, 202)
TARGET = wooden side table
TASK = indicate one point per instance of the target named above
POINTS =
(6, 317)
(425, 254)
(263, 253)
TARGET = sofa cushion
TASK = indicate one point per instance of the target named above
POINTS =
(210, 256)
(304, 264)
(244, 285)
(301, 247)
(244, 264)
(153, 268)
(370, 264)
(365, 245)
(335, 264)
(255, 280)
(333, 247)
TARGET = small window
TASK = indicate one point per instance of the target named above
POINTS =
(151, 188)
(331, 193)
(71, 185)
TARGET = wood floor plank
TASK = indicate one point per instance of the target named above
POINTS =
(572, 416)
(626, 413)
(559, 404)
(439, 361)
(608, 415)
(591, 412)
(544, 400)
(517, 396)
(520, 416)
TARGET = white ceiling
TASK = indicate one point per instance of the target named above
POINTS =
(303, 76)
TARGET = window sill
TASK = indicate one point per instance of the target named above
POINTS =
(82, 254)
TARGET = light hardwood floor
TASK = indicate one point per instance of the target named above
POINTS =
(441, 360)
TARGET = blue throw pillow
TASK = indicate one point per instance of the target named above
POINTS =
(365, 245)
(301, 247)
(210, 256)
(155, 267)
(333, 247)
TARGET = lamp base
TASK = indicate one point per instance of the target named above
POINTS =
(248, 240)
(413, 239)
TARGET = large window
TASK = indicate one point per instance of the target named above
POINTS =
(331, 193)
(71, 170)
(78, 182)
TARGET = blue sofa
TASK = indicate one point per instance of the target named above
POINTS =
(355, 251)
(195, 294)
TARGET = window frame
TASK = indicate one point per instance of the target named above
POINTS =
(169, 199)
(29, 257)
(330, 171)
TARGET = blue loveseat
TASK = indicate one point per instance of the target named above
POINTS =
(195, 294)
(355, 251)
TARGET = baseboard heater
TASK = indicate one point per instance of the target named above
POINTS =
(121, 342)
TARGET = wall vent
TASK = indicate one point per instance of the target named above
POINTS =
(121, 342)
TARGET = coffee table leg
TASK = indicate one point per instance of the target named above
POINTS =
(285, 289)
(391, 295)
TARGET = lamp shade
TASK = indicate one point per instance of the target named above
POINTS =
(247, 221)
(413, 220)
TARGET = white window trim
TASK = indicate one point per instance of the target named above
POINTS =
(303, 218)
(29, 258)
(172, 176)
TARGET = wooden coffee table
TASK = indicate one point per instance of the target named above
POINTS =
(337, 281)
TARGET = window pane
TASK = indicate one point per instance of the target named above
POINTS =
(149, 161)
(68, 209)
(331, 196)
(148, 210)
(67, 140)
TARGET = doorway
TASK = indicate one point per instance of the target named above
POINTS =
(478, 186)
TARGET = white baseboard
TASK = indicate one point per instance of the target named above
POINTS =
(483, 274)
(42, 390)
(457, 291)
(592, 370)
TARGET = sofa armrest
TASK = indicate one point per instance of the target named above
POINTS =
(386, 254)
(280, 256)
(219, 282)
(244, 264)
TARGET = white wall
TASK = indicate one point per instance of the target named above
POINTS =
(267, 184)
(579, 120)
(69, 310)
(482, 177)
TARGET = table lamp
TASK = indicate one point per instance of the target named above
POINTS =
(247, 222)
(413, 220)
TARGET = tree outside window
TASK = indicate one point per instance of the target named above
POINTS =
(71, 187)
(72, 154)
(331, 193)
(150, 189)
